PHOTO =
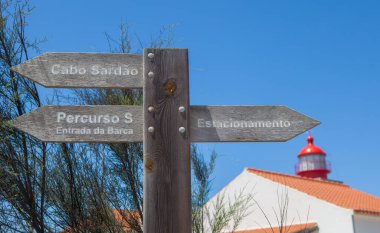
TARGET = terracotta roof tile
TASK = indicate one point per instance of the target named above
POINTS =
(331, 191)
(309, 227)
(123, 218)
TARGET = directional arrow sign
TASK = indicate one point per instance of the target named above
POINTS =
(101, 123)
(80, 70)
(113, 123)
(247, 123)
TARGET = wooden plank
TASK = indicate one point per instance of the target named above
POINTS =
(247, 123)
(100, 123)
(167, 187)
(80, 70)
(208, 123)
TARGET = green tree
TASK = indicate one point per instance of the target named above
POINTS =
(221, 215)
(22, 158)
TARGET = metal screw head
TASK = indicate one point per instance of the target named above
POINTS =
(181, 109)
(151, 55)
(182, 129)
(150, 109)
(150, 74)
(151, 129)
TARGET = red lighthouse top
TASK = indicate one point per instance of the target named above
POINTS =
(311, 149)
(312, 161)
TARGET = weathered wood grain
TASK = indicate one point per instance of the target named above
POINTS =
(49, 124)
(84, 70)
(207, 123)
(247, 123)
(167, 188)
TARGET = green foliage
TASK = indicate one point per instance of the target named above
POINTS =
(220, 214)
(281, 214)
(22, 158)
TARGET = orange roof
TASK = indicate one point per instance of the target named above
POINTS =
(289, 229)
(127, 218)
(334, 192)
(123, 218)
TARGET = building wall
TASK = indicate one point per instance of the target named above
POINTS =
(302, 208)
(366, 224)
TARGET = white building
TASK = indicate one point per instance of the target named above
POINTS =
(312, 203)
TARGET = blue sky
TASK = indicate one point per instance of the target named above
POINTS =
(320, 58)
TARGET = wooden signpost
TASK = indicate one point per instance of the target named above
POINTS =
(166, 123)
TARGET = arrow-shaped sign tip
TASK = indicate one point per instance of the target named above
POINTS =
(17, 69)
(18, 123)
(29, 68)
(26, 123)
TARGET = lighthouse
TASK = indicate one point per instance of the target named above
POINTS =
(312, 161)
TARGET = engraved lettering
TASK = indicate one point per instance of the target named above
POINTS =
(54, 69)
(93, 119)
(128, 118)
(202, 123)
(122, 70)
(60, 116)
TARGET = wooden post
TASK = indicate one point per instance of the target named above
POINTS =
(167, 186)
